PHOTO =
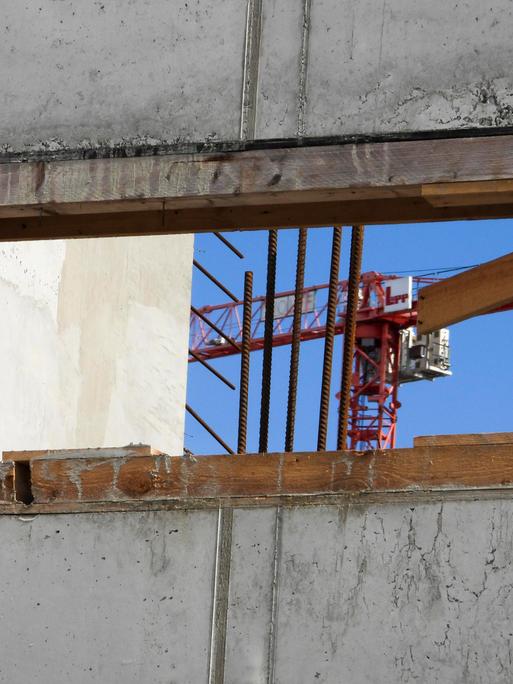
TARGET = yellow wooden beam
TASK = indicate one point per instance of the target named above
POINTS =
(471, 293)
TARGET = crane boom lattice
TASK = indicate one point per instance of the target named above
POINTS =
(387, 308)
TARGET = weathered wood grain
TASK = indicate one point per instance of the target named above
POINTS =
(478, 438)
(178, 221)
(161, 477)
(471, 293)
(212, 177)
(365, 182)
(100, 452)
(461, 194)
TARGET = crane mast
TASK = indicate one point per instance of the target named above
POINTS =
(387, 351)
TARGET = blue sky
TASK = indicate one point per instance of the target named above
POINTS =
(477, 398)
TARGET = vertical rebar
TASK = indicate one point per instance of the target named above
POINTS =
(331, 314)
(353, 291)
(268, 340)
(296, 339)
(244, 362)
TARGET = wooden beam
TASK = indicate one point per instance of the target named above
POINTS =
(470, 194)
(162, 477)
(103, 452)
(471, 293)
(473, 439)
(411, 210)
(351, 183)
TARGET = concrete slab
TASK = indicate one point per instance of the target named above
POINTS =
(388, 592)
(139, 73)
(120, 72)
(106, 598)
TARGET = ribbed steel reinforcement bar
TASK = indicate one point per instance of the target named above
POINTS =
(210, 430)
(265, 404)
(331, 312)
(213, 279)
(353, 287)
(244, 363)
(231, 247)
(296, 339)
(213, 370)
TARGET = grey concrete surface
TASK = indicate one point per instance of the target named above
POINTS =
(395, 65)
(396, 594)
(93, 344)
(161, 72)
(250, 596)
(107, 598)
(339, 594)
(88, 73)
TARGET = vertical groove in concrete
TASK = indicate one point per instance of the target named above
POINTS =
(303, 67)
(220, 600)
(274, 597)
(250, 69)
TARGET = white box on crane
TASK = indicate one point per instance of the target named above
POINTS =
(424, 357)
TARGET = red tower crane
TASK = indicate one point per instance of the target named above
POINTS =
(387, 351)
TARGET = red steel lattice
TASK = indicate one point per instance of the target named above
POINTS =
(374, 401)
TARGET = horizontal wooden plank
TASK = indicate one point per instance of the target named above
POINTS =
(162, 477)
(103, 452)
(212, 177)
(263, 199)
(461, 194)
(365, 182)
(471, 293)
(377, 212)
(464, 439)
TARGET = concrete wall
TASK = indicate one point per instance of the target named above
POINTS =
(384, 592)
(93, 342)
(131, 72)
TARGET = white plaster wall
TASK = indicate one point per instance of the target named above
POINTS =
(93, 342)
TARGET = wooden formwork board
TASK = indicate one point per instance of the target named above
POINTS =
(380, 182)
(62, 481)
